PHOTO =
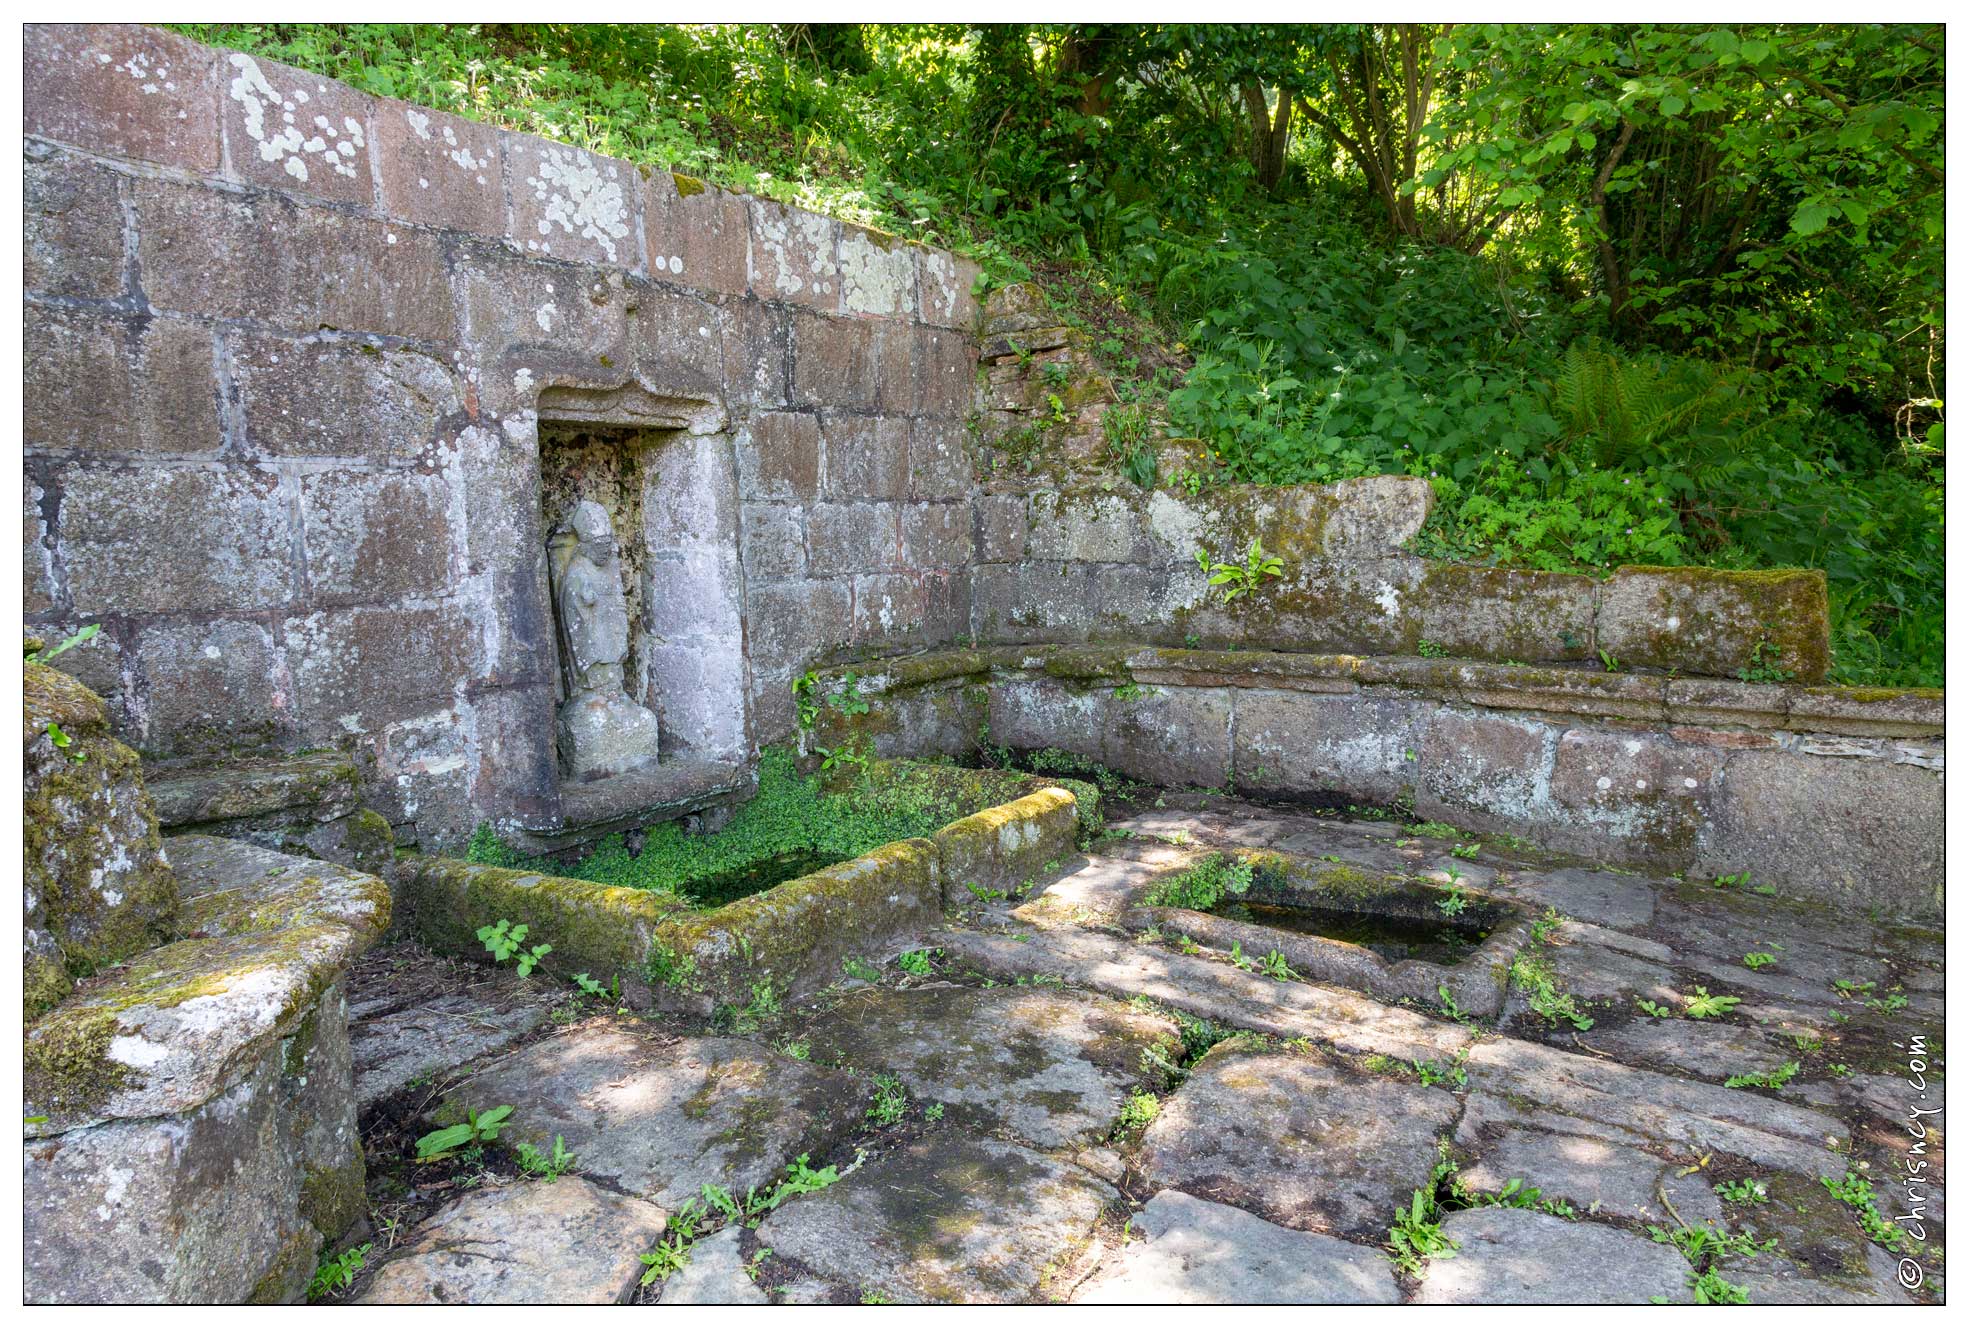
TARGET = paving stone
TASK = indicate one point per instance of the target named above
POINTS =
(1606, 898)
(1594, 1176)
(1348, 1020)
(1706, 1049)
(1594, 973)
(561, 1242)
(714, 1277)
(1297, 1140)
(1199, 1253)
(1518, 1257)
(1672, 1113)
(1817, 1240)
(661, 1118)
(945, 1220)
(454, 1029)
(1049, 1068)
(1771, 1281)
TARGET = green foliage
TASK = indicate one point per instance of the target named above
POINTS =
(69, 643)
(891, 1101)
(1202, 886)
(548, 1167)
(1776, 1079)
(507, 940)
(1704, 1006)
(914, 963)
(477, 1129)
(1417, 1234)
(336, 1272)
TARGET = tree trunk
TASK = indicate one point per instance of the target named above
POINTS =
(1271, 133)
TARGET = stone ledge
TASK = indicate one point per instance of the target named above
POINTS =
(179, 1025)
(1554, 689)
(322, 786)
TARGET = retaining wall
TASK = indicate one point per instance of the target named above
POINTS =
(1827, 793)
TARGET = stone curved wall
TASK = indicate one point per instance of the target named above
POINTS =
(1825, 793)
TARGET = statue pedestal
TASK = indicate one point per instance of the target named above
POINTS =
(603, 734)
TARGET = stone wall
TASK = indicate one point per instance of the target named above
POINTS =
(289, 351)
(1825, 793)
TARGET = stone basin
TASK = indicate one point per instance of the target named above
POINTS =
(1475, 976)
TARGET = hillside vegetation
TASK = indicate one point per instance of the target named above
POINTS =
(1635, 293)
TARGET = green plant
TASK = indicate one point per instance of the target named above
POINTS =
(1434, 1073)
(1776, 1079)
(664, 967)
(860, 969)
(1699, 1245)
(1137, 1111)
(1448, 1006)
(1656, 1009)
(1453, 901)
(800, 1179)
(1274, 966)
(1534, 976)
(934, 1112)
(796, 1049)
(1202, 886)
(336, 1272)
(598, 991)
(1754, 960)
(1128, 692)
(1233, 580)
(803, 698)
(848, 700)
(66, 644)
(506, 941)
(1856, 1193)
(1417, 1234)
(63, 742)
(1429, 649)
(548, 1167)
(1748, 1191)
(1763, 666)
(1608, 662)
(891, 1101)
(985, 894)
(1466, 850)
(476, 1129)
(914, 963)
(1703, 1006)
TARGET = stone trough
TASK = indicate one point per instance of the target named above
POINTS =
(1287, 887)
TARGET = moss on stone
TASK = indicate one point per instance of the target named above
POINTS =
(286, 1279)
(66, 1067)
(687, 185)
(333, 1198)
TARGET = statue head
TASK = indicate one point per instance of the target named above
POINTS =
(588, 528)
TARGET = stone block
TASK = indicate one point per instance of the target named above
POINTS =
(699, 697)
(571, 204)
(1018, 307)
(944, 374)
(209, 687)
(1710, 621)
(1508, 613)
(438, 169)
(1484, 771)
(1890, 713)
(1842, 831)
(1650, 796)
(1374, 516)
(1309, 743)
(123, 90)
(779, 458)
(72, 225)
(269, 258)
(1087, 528)
(376, 538)
(793, 255)
(853, 537)
(772, 542)
(530, 324)
(944, 284)
(292, 130)
(319, 397)
(1171, 737)
(757, 350)
(878, 274)
(867, 456)
(697, 235)
(97, 886)
(161, 541)
(890, 610)
(1003, 526)
(1022, 602)
(793, 624)
(1365, 606)
(678, 344)
(939, 460)
(837, 364)
(119, 384)
(937, 535)
(357, 669)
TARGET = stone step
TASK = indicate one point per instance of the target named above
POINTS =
(565, 1242)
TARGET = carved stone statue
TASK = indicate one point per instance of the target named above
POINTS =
(601, 731)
